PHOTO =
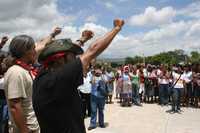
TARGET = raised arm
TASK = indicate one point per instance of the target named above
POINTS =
(45, 41)
(100, 44)
(3, 41)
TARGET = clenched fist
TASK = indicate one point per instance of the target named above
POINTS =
(56, 31)
(87, 34)
(4, 39)
(118, 23)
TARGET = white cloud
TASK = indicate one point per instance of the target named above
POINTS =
(109, 5)
(192, 10)
(167, 31)
(92, 18)
(165, 38)
(194, 30)
(38, 17)
(123, 0)
(152, 17)
(32, 17)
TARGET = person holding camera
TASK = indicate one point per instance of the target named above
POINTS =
(98, 97)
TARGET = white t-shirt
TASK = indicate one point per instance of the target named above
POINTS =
(179, 83)
(18, 84)
(161, 79)
(187, 76)
(86, 87)
(145, 72)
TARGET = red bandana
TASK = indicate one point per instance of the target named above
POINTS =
(32, 71)
(53, 58)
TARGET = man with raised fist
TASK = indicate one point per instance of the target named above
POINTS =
(56, 99)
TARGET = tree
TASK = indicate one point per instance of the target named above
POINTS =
(195, 57)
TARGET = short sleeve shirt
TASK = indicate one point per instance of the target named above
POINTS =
(56, 100)
(18, 84)
(179, 83)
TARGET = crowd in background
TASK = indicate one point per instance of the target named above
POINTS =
(176, 85)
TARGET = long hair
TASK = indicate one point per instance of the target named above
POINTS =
(20, 44)
(17, 48)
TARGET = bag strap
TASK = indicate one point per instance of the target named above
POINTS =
(176, 81)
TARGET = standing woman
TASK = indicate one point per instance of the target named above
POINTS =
(135, 87)
(196, 85)
(110, 84)
(19, 79)
(142, 89)
(126, 88)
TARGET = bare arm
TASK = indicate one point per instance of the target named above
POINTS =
(17, 114)
(45, 41)
(101, 44)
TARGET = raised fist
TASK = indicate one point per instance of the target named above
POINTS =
(87, 34)
(4, 39)
(118, 23)
(56, 31)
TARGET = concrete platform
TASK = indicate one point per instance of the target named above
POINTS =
(151, 118)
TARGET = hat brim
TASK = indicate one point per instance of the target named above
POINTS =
(74, 48)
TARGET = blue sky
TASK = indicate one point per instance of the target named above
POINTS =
(152, 26)
(107, 10)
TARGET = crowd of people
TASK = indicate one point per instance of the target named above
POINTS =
(176, 85)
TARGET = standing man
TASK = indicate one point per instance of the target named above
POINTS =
(85, 91)
(56, 99)
(178, 89)
(98, 96)
(188, 85)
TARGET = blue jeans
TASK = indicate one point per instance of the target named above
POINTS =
(3, 116)
(135, 95)
(97, 103)
(176, 98)
(164, 93)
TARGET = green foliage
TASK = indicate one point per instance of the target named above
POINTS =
(169, 58)
(136, 59)
(195, 57)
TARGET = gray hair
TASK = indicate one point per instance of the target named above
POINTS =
(20, 44)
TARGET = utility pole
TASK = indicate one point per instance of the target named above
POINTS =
(143, 58)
